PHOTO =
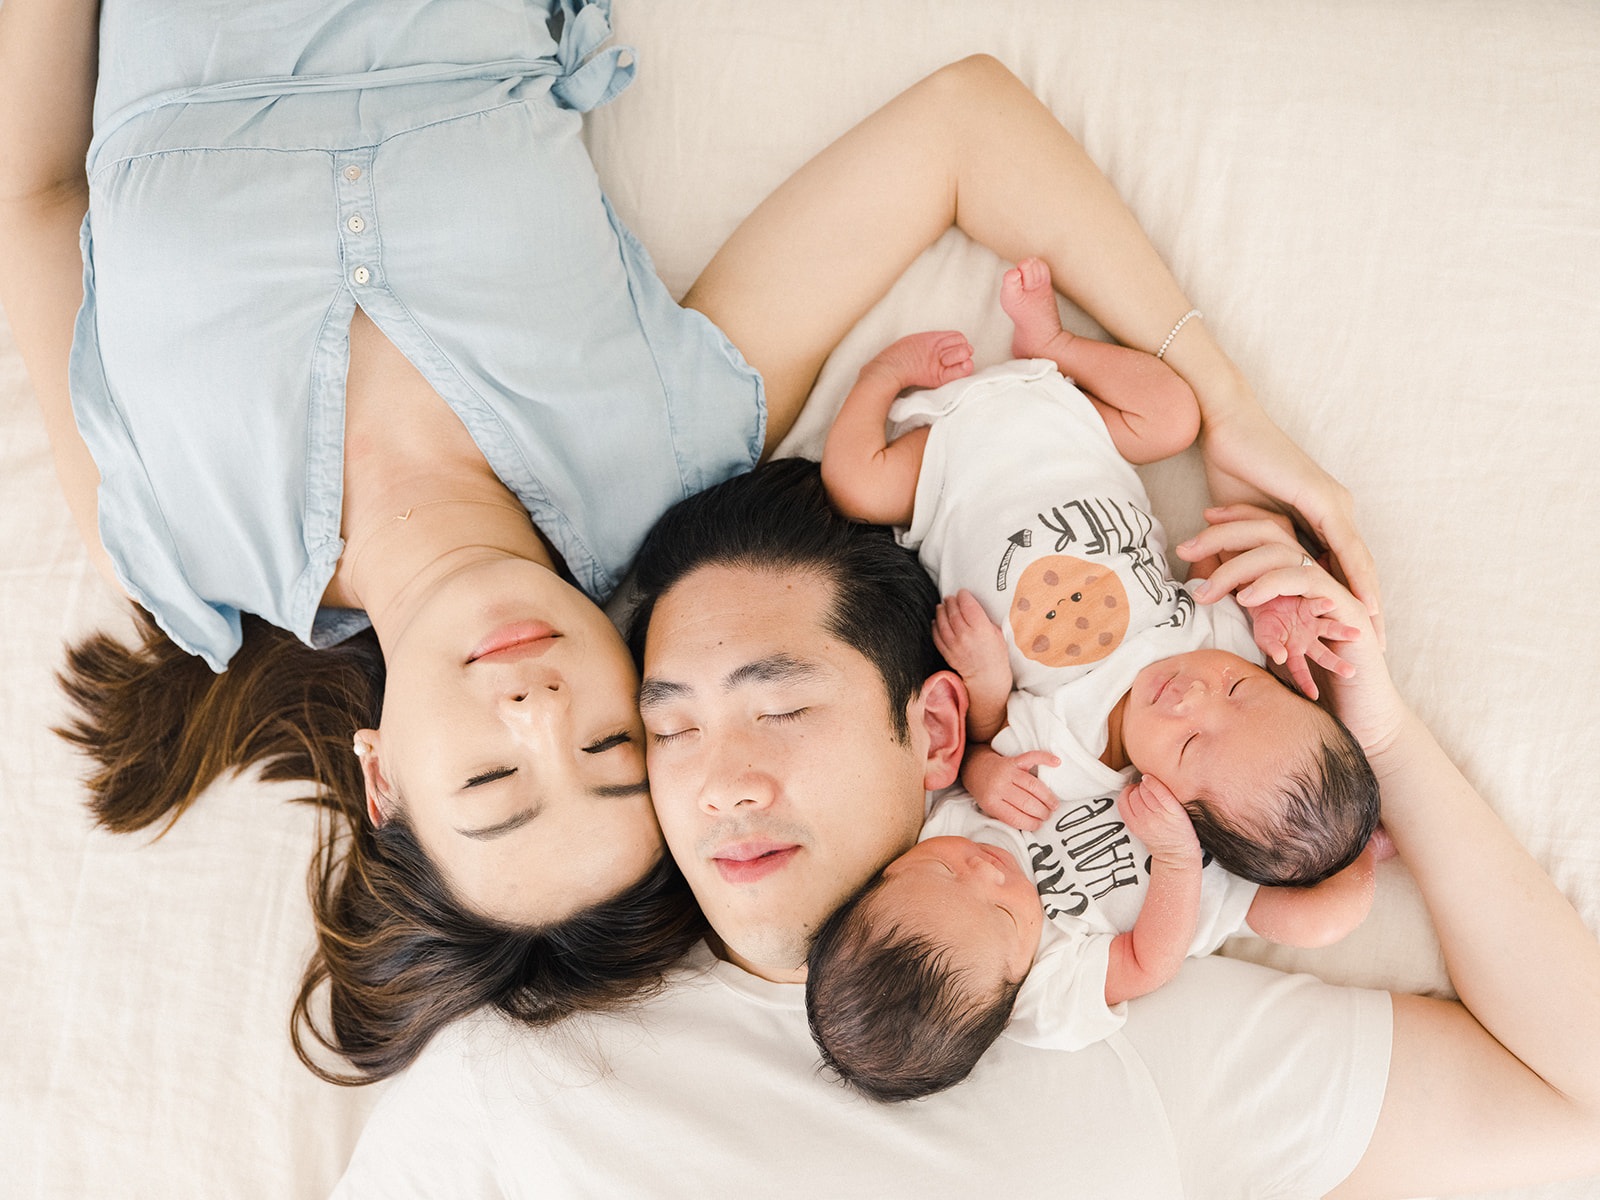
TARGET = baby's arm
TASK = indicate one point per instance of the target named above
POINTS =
(1315, 916)
(1006, 788)
(1150, 953)
(1149, 410)
(975, 648)
(869, 478)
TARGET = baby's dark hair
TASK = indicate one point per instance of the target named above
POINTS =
(1327, 814)
(893, 1016)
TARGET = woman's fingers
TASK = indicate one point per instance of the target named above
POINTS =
(1227, 513)
(1236, 536)
(1353, 565)
(1247, 567)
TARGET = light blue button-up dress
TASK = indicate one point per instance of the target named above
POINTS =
(260, 169)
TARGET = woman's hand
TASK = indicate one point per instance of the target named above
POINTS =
(1249, 459)
(1290, 630)
(1263, 568)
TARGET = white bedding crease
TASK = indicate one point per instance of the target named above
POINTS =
(1390, 215)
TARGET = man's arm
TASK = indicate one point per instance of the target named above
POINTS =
(48, 66)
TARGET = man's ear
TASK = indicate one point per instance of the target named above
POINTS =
(943, 702)
(380, 796)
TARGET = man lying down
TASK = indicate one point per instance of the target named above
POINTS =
(798, 715)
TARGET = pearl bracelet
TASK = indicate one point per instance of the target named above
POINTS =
(1182, 321)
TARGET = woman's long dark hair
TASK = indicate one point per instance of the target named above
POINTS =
(401, 957)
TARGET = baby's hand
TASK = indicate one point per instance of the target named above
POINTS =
(974, 647)
(924, 360)
(1291, 629)
(1006, 789)
(1156, 818)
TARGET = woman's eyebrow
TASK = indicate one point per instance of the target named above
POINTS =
(515, 821)
(609, 791)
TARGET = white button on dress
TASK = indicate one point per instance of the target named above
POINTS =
(361, 275)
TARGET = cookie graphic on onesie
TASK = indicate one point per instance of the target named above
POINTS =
(1068, 612)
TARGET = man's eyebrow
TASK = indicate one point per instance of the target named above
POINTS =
(774, 668)
(488, 832)
(654, 692)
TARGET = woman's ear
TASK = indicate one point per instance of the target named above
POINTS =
(380, 797)
(943, 702)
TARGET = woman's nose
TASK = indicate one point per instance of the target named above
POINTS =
(525, 699)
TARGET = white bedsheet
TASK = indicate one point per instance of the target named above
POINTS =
(1390, 215)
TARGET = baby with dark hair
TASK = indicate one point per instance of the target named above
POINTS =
(1085, 662)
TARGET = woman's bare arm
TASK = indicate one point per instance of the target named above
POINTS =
(48, 55)
(970, 146)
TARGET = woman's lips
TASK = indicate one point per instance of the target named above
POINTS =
(747, 862)
(517, 640)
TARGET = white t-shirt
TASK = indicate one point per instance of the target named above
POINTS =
(1232, 1081)
(1092, 874)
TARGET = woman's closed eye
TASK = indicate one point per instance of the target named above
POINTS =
(489, 776)
(608, 743)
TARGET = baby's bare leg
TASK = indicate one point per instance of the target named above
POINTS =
(1029, 300)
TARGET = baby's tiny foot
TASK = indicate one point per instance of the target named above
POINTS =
(1030, 302)
(926, 359)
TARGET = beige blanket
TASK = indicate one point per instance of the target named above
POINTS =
(1390, 215)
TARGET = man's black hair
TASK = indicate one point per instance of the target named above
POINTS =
(777, 517)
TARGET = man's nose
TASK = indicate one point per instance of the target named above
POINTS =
(735, 780)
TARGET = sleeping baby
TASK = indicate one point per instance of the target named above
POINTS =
(1086, 662)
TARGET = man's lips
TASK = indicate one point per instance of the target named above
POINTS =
(520, 639)
(746, 862)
